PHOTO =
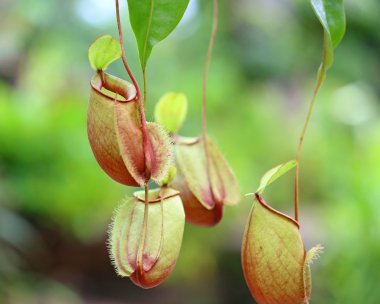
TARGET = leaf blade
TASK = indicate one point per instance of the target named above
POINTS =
(152, 21)
(271, 175)
(332, 18)
(103, 51)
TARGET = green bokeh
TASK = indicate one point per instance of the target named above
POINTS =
(56, 203)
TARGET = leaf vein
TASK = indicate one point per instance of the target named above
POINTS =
(148, 30)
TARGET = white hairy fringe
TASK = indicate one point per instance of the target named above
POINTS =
(109, 237)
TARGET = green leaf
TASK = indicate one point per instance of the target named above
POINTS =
(152, 21)
(103, 51)
(171, 111)
(273, 256)
(332, 17)
(274, 173)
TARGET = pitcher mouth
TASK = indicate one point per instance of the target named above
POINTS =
(157, 195)
(113, 85)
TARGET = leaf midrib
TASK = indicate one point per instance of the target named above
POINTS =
(148, 30)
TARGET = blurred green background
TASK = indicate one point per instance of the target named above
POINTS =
(56, 203)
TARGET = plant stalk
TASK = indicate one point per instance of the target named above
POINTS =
(145, 88)
(140, 251)
(320, 78)
(128, 69)
(146, 143)
(207, 67)
(214, 30)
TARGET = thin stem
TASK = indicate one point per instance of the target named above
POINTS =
(207, 66)
(140, 252)
(145, 88)
(146, 143)
(123, 57)
(204, 89)
(320, 78)
(101, 72)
